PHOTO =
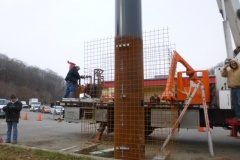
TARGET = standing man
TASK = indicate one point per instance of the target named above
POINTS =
(12, 111)
(152, 99)
(233, 77)
(72, 79)
(157, 98)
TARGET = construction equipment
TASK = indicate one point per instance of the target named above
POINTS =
(188, 102)
(170, 91)
(116, 116)
(175, 95)
(88, 93)
(230, 11)
(80, 88)
(204, 108)
(217, 93)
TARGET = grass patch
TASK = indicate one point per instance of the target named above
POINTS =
(8, 152)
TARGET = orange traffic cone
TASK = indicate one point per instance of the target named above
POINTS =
(39, 117)
(26, 117)
(201, 129)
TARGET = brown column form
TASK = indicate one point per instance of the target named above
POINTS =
(129, 138)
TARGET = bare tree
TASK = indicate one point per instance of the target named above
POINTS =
(29, 81)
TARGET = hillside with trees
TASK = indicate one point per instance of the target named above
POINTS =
(29, 81)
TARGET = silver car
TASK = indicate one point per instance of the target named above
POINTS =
(35, 109)
(57, 110)
(3, 102)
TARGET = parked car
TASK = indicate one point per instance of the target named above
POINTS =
(57, 110)
(45, 109)
(3, 102)
(35, 109)
(24, 104)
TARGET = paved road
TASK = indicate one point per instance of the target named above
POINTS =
(66, 137)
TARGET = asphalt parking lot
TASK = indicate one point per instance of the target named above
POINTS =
(47, 133)
(62, 136)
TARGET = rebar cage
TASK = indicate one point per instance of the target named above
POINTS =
(128, 75)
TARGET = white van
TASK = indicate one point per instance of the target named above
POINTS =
(3, 102)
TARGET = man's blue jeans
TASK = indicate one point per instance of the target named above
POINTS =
(71, 89)
(235, 99)
(12, 126)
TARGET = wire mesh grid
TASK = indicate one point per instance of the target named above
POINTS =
(128, 74)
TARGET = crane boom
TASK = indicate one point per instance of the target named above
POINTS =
(230, 10)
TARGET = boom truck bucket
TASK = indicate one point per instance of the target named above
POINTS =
(183, 83)
(185, 90)
(169, 93)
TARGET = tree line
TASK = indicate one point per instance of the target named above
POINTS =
(29, 81)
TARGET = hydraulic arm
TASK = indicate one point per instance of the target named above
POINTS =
(169, 93)
(230, 10)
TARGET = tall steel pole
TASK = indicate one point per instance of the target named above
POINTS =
(129, 124)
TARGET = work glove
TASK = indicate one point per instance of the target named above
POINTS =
(10, 107)
(226, 65)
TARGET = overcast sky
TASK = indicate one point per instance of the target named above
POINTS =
(48, 33)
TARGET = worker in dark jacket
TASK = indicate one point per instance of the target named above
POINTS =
(72, 79)
(12, 111)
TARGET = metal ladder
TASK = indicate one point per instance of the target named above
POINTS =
(175, 126)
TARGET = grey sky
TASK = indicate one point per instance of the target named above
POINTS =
(48, 33)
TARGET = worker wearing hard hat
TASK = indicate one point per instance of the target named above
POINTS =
(231, 70)
(72, 82)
